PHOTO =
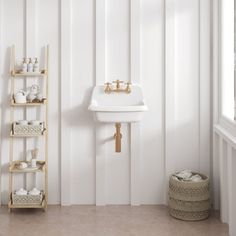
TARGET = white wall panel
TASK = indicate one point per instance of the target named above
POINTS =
(80, 120)
(184, 91)
(224, 165)
(156, 43)
(12, 33)
(152, 78)
(48, 32)
(118, 67)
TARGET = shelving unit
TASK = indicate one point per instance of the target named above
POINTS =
(42, 164)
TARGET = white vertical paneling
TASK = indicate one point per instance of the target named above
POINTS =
(48, 29)
(232, 189)
(223, 181)
(30, 52)
(230, 185)
(152, 52)
(186, 94)
(100, 78)
(225, 149)
(30, 29)
(215, 59)
(0, 102)
(151, 42)
(135, 38)
(205, 86)
(135, 142)
(12, 32)
(80, 120)
(65, 131)
(118, 67)
(135, 184)
(215, 172)
(169, 86)
(183, 85)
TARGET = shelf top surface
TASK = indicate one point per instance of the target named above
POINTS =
(40, 167)
(29, 74)
(29, 103)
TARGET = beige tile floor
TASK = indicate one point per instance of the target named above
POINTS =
(104, 221)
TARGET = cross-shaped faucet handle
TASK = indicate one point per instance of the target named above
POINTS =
(118, 82)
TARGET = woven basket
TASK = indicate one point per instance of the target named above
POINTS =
(28, 129)
(189, 200)
(27, 199)
(189, 191)
(189, 216)
(189, 206)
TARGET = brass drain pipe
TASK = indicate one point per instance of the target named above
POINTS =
(118, 137)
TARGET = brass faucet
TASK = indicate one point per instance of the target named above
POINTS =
(108, 89)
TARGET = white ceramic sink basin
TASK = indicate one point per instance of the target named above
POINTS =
(117, 107)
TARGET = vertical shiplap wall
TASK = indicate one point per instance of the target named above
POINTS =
(158, 43)
(153, 80)
(188, 86)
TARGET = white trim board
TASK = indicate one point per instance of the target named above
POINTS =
(65, 101)
(100, 79)
(1, 102)
(135, 76)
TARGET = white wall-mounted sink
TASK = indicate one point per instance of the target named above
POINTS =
(117, 107)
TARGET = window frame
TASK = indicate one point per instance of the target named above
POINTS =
(218, 116)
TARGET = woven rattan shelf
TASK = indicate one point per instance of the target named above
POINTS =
(29, 134)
